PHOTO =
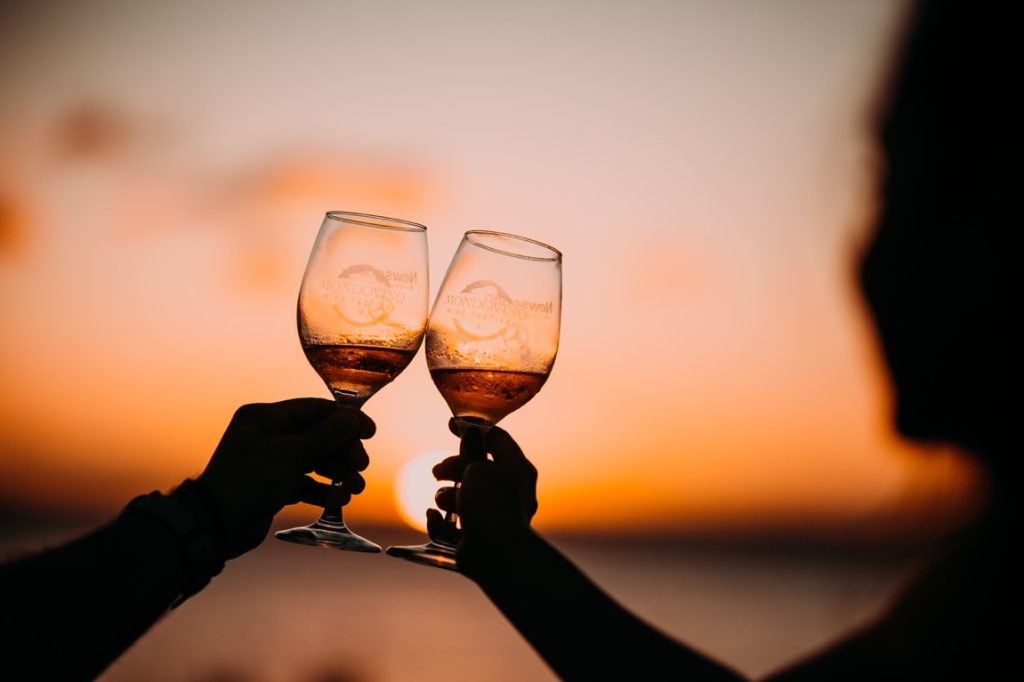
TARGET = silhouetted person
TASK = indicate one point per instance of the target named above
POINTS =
(943, 284)
(69, 612)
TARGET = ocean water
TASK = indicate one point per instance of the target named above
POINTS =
(287, 612)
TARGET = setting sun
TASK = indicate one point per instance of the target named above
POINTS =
(415, 488)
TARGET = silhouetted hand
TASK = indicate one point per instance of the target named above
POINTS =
(497, 498)
(261, 462)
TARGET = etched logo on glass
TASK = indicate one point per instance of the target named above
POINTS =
(363, 295)
(484, 311)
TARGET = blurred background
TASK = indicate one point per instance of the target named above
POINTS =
(714, 441)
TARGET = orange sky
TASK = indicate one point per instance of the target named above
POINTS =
(705, 168)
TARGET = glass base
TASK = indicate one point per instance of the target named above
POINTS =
(430, 554)
(323, 533)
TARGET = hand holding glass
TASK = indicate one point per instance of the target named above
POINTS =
(361, 315)
(491, 339)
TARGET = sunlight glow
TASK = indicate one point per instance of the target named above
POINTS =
(415, 488)
(716, 359)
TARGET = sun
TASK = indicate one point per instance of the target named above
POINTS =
(415, 487)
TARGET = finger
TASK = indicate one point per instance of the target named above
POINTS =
(449, 469)
(318, 442)
(338, 472)
(356, 458)
(356, 419)
(287, 416)
(367, 427)
(446, 499)
(353, 483)
(473, 445)
(303, 415)
(336, 467)
(506, 451)
(321, 494)
(440, 530)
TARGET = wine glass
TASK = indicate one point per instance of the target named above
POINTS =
(361, 315)
(491, 340)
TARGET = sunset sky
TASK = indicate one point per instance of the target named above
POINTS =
(705, 167)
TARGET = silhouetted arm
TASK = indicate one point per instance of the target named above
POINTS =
(581, 632)
(68, 612)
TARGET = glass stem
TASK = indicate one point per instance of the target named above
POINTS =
(332, 515)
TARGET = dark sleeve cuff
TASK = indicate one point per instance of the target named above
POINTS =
(195, 531)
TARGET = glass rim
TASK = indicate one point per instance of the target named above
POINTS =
(471, 235)
(368, 220)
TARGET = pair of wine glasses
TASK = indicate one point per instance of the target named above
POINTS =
(491, 336)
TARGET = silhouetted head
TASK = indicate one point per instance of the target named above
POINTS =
(941, 276)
